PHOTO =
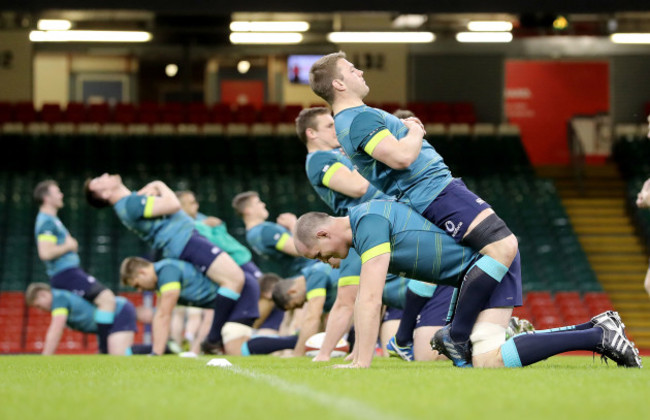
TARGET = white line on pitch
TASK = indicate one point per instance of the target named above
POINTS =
(346, 406)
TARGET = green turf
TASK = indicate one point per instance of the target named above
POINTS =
(265, 387)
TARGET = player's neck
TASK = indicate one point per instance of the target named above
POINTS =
(48, 209)
(250, 222)
(344, 103)
(119, 193)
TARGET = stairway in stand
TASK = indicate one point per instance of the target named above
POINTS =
(597, 208)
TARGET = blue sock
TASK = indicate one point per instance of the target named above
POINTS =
(526, 349)
(417, 295)
(104, 321)
(267, 345)
(475, 291)
(224, 304)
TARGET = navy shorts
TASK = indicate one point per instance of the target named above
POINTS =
(200, 252)
(454, 209)
(392, 314)
(274, 320)
(78, 282)
(434, 313)
(247, 308)
(125, 319)
(252, 269)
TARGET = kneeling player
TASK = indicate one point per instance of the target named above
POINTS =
(79, 314)
(179, 282)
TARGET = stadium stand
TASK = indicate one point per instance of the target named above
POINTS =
(559, 283)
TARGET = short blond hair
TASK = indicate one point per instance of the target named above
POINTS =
(129, 267)
(323, 72)
(33, 290)
(240, 201)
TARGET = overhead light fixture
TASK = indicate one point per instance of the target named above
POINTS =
(243, 66)
(54, 24)
(630, 38)
(484, 37)
(89, 36)
(265, 38)
(171, 70)
(409, 21)
(489, 26)
(380, 37)
(560, 23)
(290, 26)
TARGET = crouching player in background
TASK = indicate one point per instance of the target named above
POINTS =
(179, 282)
(392, 237)
(79, 314)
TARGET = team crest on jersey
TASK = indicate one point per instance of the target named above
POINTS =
(480, 201)
(276, 236)
(326, 168)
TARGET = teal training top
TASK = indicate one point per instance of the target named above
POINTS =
(418, 249)
(49, 228)
(80, 312)
(361, 128)
(219, 236)
(266, 240)
(168, 234)
(320, 166)
(322, 280)
(195, 288)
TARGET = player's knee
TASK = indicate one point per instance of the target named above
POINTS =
(105, 300)
(493, 237)
(487, 338)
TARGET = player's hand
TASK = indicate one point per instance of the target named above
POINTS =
(71, 243)
(287, 220)
(642, 200)
(152, 188)
(412, 121)
(321, 358)
(212, 221)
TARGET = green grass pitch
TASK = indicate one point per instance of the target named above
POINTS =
(266, 387)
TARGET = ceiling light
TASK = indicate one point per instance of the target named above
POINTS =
(89, 36)
(244, 26)
(409, 21)
(265, 38)
(380, 37)
(630, 38)
(560, 23)
(171, 70)
(243, 66)
(484, 37)
(53, 25)
(489, 26)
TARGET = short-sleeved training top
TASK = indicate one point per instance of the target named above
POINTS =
(195, 288)
(168, 234)
(322, 280)
(80, 312)
(418, 249)
(50, 229)
(320, 166)
(267, 239)
(360, 129)
(219, 236)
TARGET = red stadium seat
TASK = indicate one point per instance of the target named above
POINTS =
(75, 112)
(198, 113)
(270, 113)
(25, 113)
(148, 113)
(125, 113)
(6, 112)
(51, 113)
(221, 113)
(246, 114)
(99, 113)
(290, 113)
(390, 107)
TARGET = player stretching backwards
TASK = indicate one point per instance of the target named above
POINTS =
(393, 156)
(155, 215)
